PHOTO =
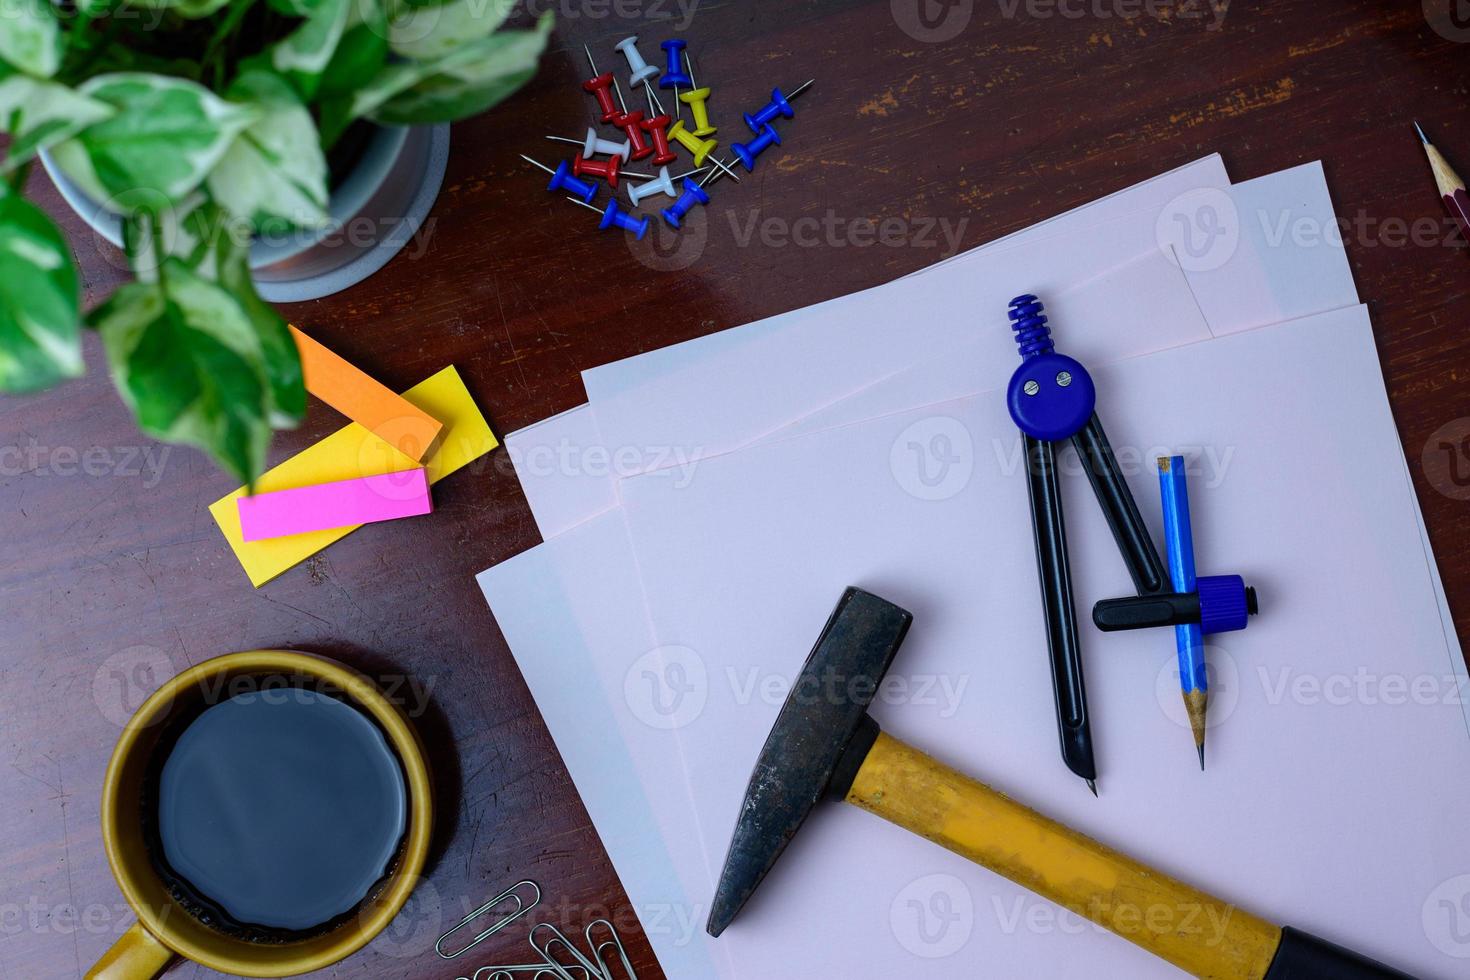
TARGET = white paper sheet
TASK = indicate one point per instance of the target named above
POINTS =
(569, 472)
(1304, 812)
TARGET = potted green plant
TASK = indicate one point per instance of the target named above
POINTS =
(205, 126)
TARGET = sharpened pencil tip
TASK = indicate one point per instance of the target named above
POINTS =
(1420, 130)
(1201, 758)
(1092, 785)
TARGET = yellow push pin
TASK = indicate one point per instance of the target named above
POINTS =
(700, 148)
(695, 100)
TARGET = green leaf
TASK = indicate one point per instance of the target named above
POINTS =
(39, 300)
(468, 80)
(38, 113)
(188, 362)
(362, 52)
(423, 33)
(304, 54)
(274, 174)
(31, 37)
(166, 136)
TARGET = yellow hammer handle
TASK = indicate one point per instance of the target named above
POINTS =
(137, 955)
(1197, 933)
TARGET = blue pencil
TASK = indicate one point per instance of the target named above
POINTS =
(1179, 541)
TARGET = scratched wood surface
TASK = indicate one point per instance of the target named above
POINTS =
(979, 118)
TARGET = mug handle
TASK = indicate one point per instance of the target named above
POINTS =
(137, 955)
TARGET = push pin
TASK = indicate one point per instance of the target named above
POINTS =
(657, 129)
(693, 194)
(673, 76)
(699, 148)
(562, 179)
(632, 124)
(695, 99)
(600, 86)
(642, 71)
(662, 184)
(606, 169)
(594, 145)
(747, 152)
(615, 215)
(780, 105)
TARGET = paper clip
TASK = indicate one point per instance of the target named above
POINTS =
(616, 942)
(538, 971)
(521, 909)
(561, 968)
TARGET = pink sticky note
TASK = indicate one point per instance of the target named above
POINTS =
(345, 503)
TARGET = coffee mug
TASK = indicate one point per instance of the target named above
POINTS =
(165, 929)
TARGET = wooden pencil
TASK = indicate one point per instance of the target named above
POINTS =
(1451, 187)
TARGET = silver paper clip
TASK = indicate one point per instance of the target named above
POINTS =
(561, 969)
(511, 894)
(538, 971)
(615, 943)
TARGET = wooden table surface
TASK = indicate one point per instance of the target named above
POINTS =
(983, 117)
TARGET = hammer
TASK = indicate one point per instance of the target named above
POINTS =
(824, 744)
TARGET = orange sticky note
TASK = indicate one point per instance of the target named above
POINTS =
(369, 403)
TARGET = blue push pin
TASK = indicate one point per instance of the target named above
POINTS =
(674, 75)
(780, 105)
(693, 194)
(562, 179)
(747, 152)
(614, 215)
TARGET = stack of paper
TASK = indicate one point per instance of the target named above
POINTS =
(703, 512)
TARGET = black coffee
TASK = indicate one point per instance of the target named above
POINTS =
(280, 810)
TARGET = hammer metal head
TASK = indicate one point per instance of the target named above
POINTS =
(826, 707)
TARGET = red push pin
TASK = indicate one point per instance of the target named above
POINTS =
(600, 87)
(657, 129)
(632, 124)
(606, 169)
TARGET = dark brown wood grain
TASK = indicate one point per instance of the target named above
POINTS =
(1015, 118)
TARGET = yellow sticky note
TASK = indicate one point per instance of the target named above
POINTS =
(355, 452)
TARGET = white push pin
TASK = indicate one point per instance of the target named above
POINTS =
(663, 184)
(594, 144)
(642, 71)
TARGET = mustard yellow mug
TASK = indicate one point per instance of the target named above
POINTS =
(165, 930)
